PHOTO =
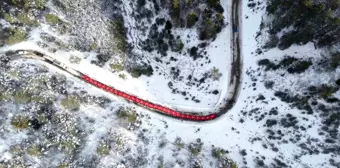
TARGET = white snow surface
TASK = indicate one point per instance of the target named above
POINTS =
(225, 132)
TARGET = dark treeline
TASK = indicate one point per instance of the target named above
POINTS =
(315, 21)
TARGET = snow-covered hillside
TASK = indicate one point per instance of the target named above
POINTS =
(184, 80)
(50, 119)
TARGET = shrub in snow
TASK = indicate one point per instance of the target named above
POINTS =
(211, 25)
(267, 64)
(191, 19)
(215, 74)
(74, 59)
(8, 18)
(103, 149)
(215, 4)
(287, 61)
(27, 19)
(179, 143)
(122, 76)
(326, 91)
(299, 67)
(70, 103)
(21, 97)
(195, 147)
(162, 143)
(102, 59)
(12, 36)
(178, 46)
(127, 113)
(194, 53)
(34, 150)
(20, 122)
(17, 150)
(243, 152)
(217, 153)
(225, 162)
(272, 42)
(119, 34)
(117, 66)
(196, 162)
(269, 84)
(335, 59)
(271, 122)
(139, 71)
(180, 162)
(52, 19)
(175, 11)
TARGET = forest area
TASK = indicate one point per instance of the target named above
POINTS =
(303, 21)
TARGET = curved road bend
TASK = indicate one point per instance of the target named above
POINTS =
(229, 102)
(236, 65)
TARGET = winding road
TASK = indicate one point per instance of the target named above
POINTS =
(235, 79)
(228, 103)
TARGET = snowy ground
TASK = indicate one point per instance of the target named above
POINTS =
(244, 127)
(156, 88)
(244, 131)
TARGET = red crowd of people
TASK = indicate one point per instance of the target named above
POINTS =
(149, 105)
